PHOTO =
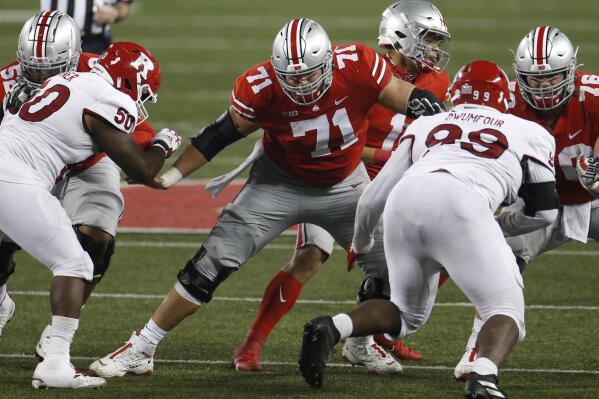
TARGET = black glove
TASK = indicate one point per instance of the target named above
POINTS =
(423, 103)
(17, 95)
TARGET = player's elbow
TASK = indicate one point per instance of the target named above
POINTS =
(546, 217)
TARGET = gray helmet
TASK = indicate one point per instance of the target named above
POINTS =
(300, 48)
(416, 29)
(545, 51)
(49, 44)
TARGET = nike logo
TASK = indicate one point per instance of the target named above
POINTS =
(283, 300)
(337, 102)
(572, 135)
(355, 185)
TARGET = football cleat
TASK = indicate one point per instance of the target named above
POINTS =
(128, 359)
(7, 311)
(397, 348)
(363, 351)
(320, 336)
(60, 373)
(42, 344)
(483, 387)
(246, 356)
(465, 365)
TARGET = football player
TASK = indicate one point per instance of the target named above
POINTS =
(49, 44)
(312, 100)
(550, 91)
(66, 120)
(446, 179)
(414, 37)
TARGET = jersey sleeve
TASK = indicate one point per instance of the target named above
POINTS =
(541, 146)
(143, 135)
(8, 77)
(375, 72)
(116, 109)
(251, 91)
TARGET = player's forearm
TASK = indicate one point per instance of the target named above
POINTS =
(190, 161)
(375, 156)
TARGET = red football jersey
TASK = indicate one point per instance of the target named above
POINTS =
(319, 144)
(578, 124)
(142, 135)
(385, 126)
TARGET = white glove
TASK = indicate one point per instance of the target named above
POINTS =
(587, 170)
(168, 140)
(16, 96)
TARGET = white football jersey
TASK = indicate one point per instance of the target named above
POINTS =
(481, 147)
(48, 132)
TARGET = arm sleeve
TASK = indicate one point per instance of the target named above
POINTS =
(373, 199)
(116, 109)
(540, 204)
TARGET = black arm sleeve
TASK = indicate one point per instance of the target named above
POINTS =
(216, 136)
(539, 197)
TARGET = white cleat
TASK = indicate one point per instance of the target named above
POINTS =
(60, 373)
(464, 367)
(42, 344)
(7, 311)
(125, 360)
(363, 351)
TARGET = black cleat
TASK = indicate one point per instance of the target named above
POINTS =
(483, 387)
(320, 336)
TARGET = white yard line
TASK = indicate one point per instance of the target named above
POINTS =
(126, 295)
(294, 364)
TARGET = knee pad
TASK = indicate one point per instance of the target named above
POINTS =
(100, 249)
(196, 281)
(372, 288)
(7, 264)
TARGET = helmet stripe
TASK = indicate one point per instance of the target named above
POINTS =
(541, 44)
(42, 33)
(294, 40)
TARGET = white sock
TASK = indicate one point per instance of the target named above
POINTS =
(343, 324)
(2, 292)
(484, 366)
(476, 326)
(153, 333)
(61, 336)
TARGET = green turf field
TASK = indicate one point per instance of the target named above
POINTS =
(202, 46)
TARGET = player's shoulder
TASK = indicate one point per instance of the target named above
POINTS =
(436, 82)
(253, 89)
(586, 92)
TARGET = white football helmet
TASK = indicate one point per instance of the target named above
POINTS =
(545, 52)
(300, 49)
(416, 29)
(49, 44)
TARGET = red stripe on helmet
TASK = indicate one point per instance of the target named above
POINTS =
(541, 39)
(294, 39)
(42, 25)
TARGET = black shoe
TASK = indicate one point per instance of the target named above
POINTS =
(320, 336)
(483, 387)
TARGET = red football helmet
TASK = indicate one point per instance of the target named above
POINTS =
(131, 68)
(481, 82)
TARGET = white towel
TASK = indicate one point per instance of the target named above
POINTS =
(576, 220)
(218, 183)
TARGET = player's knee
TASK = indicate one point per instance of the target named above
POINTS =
(100, 247)
(7, 264)
(200, 277)
(372, 288)
(306, 260)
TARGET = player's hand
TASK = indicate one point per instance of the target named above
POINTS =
(105, 15)
(17, 95)
(423, 103)
(352, 255)
(587, 170)
(168, 140)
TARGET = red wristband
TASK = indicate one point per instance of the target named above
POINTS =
(381, 157)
